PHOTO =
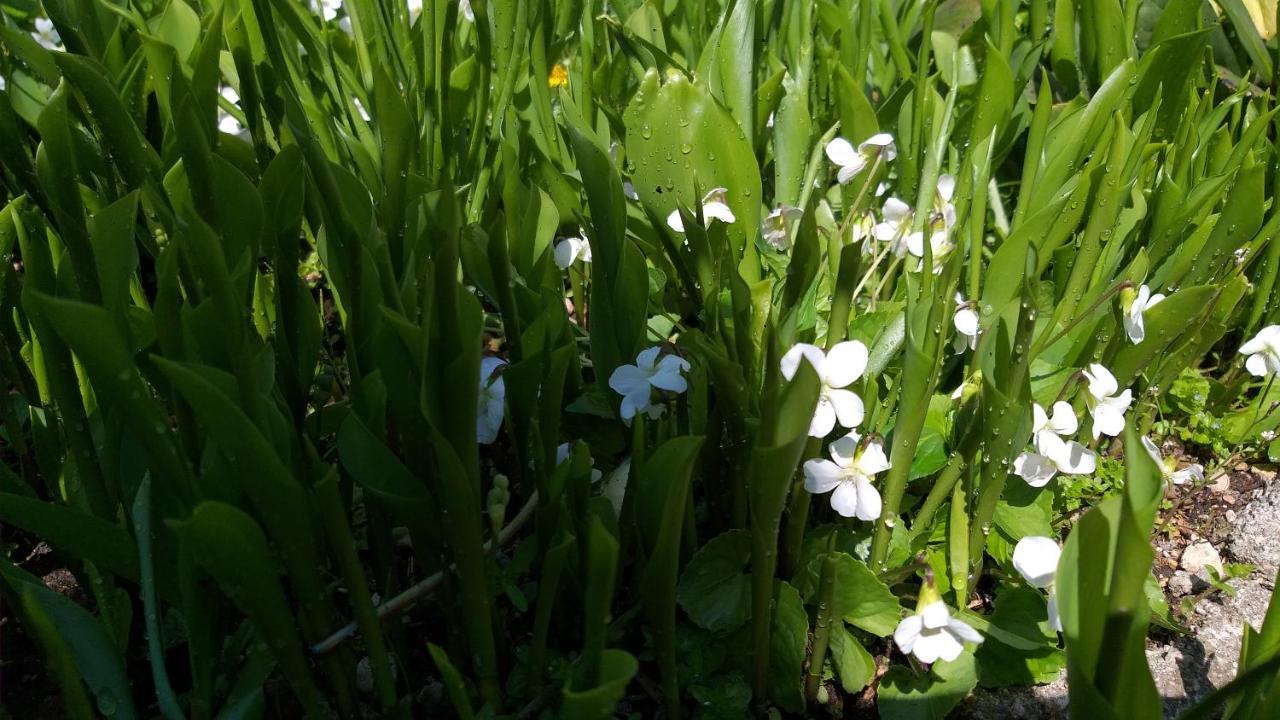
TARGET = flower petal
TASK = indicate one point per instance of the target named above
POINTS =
(1107, 420)
(626, 379)
(824, 419)
(869, 503)
(908, 632)
(964, 632)
(1076, 459)
(844, 500)
(821, 476)
(1064, 421)
(1036, 559)
(935, 615)
(848, 407)
(1037, 470)
(648, 358)
(966, 321)
(1055, 621)
(846, 362)
(1191, 472)
(675, 221)
(844, 450)
(1101, 382)
(842, 153)
(718, 211)
(873, 460)
(791, 360)
(1256, 365)
(1153, 451)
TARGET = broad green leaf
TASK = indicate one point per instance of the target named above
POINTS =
(790, 639)
(715, 588)
(1020, 612)
(681, 142)
(616, 670)
(905, 695)
(855, 668)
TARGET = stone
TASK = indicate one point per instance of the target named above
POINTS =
(1221, 482)
(1257, 540)
(1265, 475)
(1180, 584)
(1197, 556)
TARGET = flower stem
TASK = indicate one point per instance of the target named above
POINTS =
(822, 622)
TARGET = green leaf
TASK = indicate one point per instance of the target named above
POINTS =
(788, 643)
(860, 597)
(715, 589)
(617, 667)
(96, 657)
(230, 546)
(1020, 612)
(905, 695)
(80, 535)
(854, 665)
(679, 139)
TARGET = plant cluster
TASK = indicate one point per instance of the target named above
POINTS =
(566, 357)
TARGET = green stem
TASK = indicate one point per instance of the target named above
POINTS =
(822, 622)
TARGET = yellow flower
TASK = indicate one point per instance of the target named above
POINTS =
(559, 76)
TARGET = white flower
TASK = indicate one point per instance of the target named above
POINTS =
(895, 222)
(562, 454)
(776, 227)
(848, 475)
(46, 34)
(467, 12)
(1263, 352)
(493, 394)
(1169, 465)
(1107, 407)
(966, 322)
(931, 634)
(1135, 304)
(415, 9)
(633, 382)
(863, 230)
(941, 220)
(329, 8)
(227, 122)
(1036, 560)
(571, 249)
(837, 370)
(851, 161)
(713, 207)
(1053, 455)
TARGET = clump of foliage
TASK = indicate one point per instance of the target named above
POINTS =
(573, 356)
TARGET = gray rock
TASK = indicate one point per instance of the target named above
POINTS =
(1180, 584)
(1258, 540)
(1185, 668)
(1198, 556)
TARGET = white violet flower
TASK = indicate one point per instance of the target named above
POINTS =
(837, 370)
(1053, 454)
(939, 225)
(851, 161)
(931, 634)
(633, 382)
(1134, 305)
(776, 227)
(571, 249)
(1107, 407)
(1263, 352)
(465, 7)
(1169, 465)
(966, 322)
(1036, 560)
(714, 206)
(46, 34)
(493, 395)
(562, 455)
(848, 475)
